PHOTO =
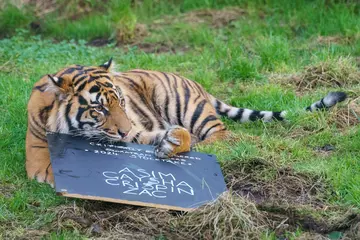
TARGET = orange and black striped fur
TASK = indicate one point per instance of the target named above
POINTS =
(147, 107)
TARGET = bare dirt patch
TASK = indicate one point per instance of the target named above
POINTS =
(314, 223)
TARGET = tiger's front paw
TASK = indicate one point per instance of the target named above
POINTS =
(176, 140)
(43, 176)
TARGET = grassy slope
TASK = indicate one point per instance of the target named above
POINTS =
(233, 62)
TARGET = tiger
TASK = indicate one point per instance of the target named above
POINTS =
(166, 110)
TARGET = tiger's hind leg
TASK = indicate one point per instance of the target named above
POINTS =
(215, 136)
(212, 131)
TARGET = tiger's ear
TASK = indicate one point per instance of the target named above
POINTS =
(108, 65)
(60, 83)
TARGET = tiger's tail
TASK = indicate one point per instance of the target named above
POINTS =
(244, 115)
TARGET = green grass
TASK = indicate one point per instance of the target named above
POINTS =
(234, 62)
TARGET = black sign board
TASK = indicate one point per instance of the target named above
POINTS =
(129, 173)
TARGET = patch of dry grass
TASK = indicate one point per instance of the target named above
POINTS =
(213, 17)
(336, 39)
(347, 116)
(227, 218)
(71, 9)
(283, 186)
(133, 34)
(311, 236)
(216, 18)
(341, 72)
(230, 217)
(7, 190)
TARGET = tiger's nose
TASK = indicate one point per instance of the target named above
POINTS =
(123, 134)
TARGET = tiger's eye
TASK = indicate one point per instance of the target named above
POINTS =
(99, 108)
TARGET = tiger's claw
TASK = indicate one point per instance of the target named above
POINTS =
(176, 140)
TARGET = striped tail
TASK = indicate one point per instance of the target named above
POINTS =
(327, 102)
(245, 115)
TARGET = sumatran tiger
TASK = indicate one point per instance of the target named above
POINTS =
(146, 107)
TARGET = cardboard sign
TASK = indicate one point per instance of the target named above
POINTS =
(131, 174)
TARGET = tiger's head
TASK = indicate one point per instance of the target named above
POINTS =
(89, 102)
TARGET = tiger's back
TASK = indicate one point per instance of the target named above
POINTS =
(157, 100)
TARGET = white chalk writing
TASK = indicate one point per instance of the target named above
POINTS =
(116, 150)
(147, 183)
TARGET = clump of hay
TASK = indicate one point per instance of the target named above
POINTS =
(229, 217)
(284, 187)
(346, 116)
(340, 73)
(130, 33)
(353, 232)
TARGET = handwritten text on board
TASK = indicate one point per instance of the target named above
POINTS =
(141, 182)
(115, 150)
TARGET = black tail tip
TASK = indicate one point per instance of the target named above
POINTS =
(336, 97)
(339, 96)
